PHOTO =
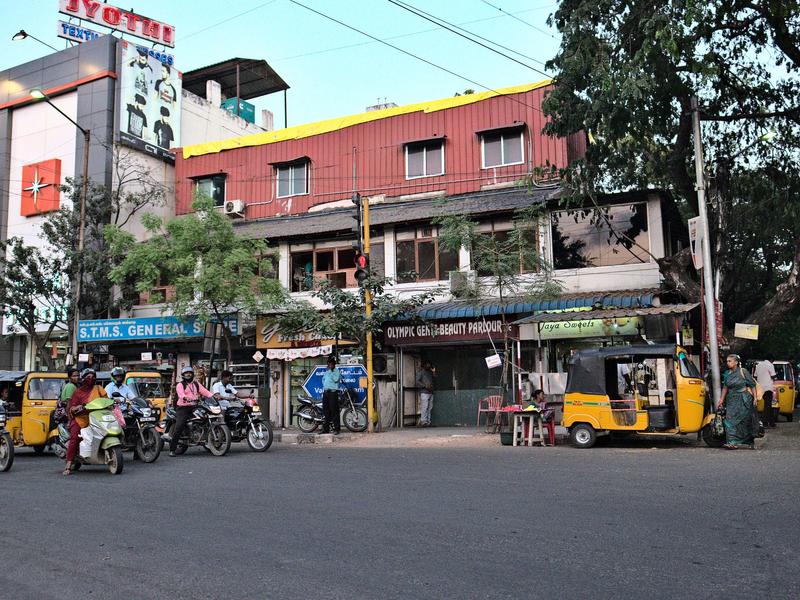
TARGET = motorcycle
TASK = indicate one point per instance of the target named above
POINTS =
(6, 444)
(245, 421)
(105, 447)
(310, 415)
(140, 434)
(206, 428)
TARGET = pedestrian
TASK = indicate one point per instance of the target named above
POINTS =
(425, 384)
(739, 402)
(79, 419)
(765, 376)
(330, 398)
(188, 392)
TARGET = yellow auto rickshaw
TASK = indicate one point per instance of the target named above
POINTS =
(32, 400)
(641, 390)
(785, 388)
(145, 384)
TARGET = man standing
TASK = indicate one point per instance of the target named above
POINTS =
(765, 376)
(425, 385)
(330, 397)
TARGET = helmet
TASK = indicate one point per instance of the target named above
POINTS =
(117, 372)
(88, 371)
(186, 370)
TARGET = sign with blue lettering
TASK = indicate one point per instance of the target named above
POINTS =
(76, 33)
(146, 328)
(351, 376)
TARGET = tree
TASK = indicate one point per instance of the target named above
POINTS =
(627, 70)
(509, 264)
(214, 271)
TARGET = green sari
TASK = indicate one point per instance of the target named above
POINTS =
(739, 408)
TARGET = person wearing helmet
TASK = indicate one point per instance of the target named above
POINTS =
(189, 392)
(118, 386)
(225, 392)
(78, 419)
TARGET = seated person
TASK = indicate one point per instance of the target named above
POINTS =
(538, 399)
(225, 392)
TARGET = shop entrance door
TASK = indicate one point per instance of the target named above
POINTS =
(408, 396)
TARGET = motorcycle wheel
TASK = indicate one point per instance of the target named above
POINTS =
(148, 452)
(305, 421)
(6, 452)
(219, 439)
(355, 419)
(58, 448)
(259, 436)
(114, 460)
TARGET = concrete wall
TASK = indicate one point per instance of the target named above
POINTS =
(204, 121)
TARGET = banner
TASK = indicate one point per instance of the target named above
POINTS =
(146, 328)
(150, 102)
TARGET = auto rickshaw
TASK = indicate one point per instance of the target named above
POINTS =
(784, 387)
(641, 390)
(32, 400)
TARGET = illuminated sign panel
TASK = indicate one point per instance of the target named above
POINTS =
(119, 19)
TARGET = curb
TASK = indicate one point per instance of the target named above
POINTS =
(290, 437)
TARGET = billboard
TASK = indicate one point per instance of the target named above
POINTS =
(117, 19)
(150, 102)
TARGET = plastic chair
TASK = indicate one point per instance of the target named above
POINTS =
(490, 404)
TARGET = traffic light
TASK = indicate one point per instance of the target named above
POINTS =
(357, 228)
(362, 267)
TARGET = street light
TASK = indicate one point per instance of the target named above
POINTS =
(22, 34)
(38, 94)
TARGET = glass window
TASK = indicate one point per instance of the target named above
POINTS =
(292, 180)
(421, 259)
(324, 261)
(599, 237)
(147, 387)
(377, 259)
(426, 253)
(406, 261)
(302, 271)
(424, 159)
(45, 388)
(688, 368)
(346, 258)
(448, 261)
(501, 149)
(212, 187)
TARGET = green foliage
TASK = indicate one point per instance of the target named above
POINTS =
(215, 272)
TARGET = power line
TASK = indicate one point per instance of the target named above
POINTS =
(249, 10)
(523, 21)
(411, 54)
(454, 29)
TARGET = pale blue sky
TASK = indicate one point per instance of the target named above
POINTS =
(332, 71)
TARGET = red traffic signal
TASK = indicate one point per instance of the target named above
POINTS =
(362, 267)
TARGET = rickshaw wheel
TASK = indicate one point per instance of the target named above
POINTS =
(38, 450)
(582, 435)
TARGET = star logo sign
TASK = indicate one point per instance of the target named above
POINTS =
(40, 188)
(36, 185)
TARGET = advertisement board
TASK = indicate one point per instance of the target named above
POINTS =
(352, 376)
(146, 328)
(150, 102)
(118, 19)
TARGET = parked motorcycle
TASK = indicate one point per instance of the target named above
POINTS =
(205, 428)
(106, 443)
(140, 434)
(245, 421)
(6, 444)
(310, 415)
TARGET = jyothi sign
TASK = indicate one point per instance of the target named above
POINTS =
(119, 20)
(146, 328)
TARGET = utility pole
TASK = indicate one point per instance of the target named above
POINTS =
(708, 283)
(368, 311)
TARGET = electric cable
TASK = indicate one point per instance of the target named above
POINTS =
(523, 21)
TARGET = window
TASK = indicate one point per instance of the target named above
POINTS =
(600, 237)
(424, 159)
(506, 251)
(419, 257)
(502, 148)
(41, 388)
(337, 265)
(292, 180)
(212, 187)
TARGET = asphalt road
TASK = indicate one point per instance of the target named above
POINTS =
(632, 521)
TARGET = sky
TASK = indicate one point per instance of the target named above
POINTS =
(331, 70)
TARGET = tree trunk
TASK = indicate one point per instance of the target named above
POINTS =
(678, 272)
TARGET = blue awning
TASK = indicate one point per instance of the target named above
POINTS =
(596, 300)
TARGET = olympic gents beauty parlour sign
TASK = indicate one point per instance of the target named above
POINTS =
(119, 20)
(463, 330)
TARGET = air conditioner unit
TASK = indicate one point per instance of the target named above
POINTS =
(235, 208)
(384, 365)
(463, 283)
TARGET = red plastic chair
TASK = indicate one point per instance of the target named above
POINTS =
(490, 404)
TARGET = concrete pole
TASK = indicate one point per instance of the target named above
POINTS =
(708, 284)
(81, 227)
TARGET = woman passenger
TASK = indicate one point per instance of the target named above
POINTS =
(738, 400)
(87, 392)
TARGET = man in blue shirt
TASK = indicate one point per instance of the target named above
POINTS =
(330, 397)
(119, 386)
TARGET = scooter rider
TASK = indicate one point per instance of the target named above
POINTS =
(188, 392)
(118, 385)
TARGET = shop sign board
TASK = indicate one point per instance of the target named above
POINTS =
(745, 331)
(353, 376)
(270, 336)
(118, 19)
(589, 328)
(146, 328)
(696, 241)
(443, 331)
(76, 33)
(150, 102)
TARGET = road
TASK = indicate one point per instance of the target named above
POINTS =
(661, 520)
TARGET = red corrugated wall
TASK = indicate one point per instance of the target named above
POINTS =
(380, 159)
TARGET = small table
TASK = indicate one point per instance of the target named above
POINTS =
(533, 419)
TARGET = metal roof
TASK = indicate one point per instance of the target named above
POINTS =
(461, 309)
(612, 313)
(256, 78)
(13, 376)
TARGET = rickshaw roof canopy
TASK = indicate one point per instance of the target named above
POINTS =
(12, 376)
(587, 367)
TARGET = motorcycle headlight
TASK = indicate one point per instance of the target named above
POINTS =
(145, 412)
(215, 410)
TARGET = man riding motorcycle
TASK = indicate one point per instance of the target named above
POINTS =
(118, 385)
(225, 392)
(188, 392)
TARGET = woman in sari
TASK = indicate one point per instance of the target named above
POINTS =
(78, 418)
(737, 398)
